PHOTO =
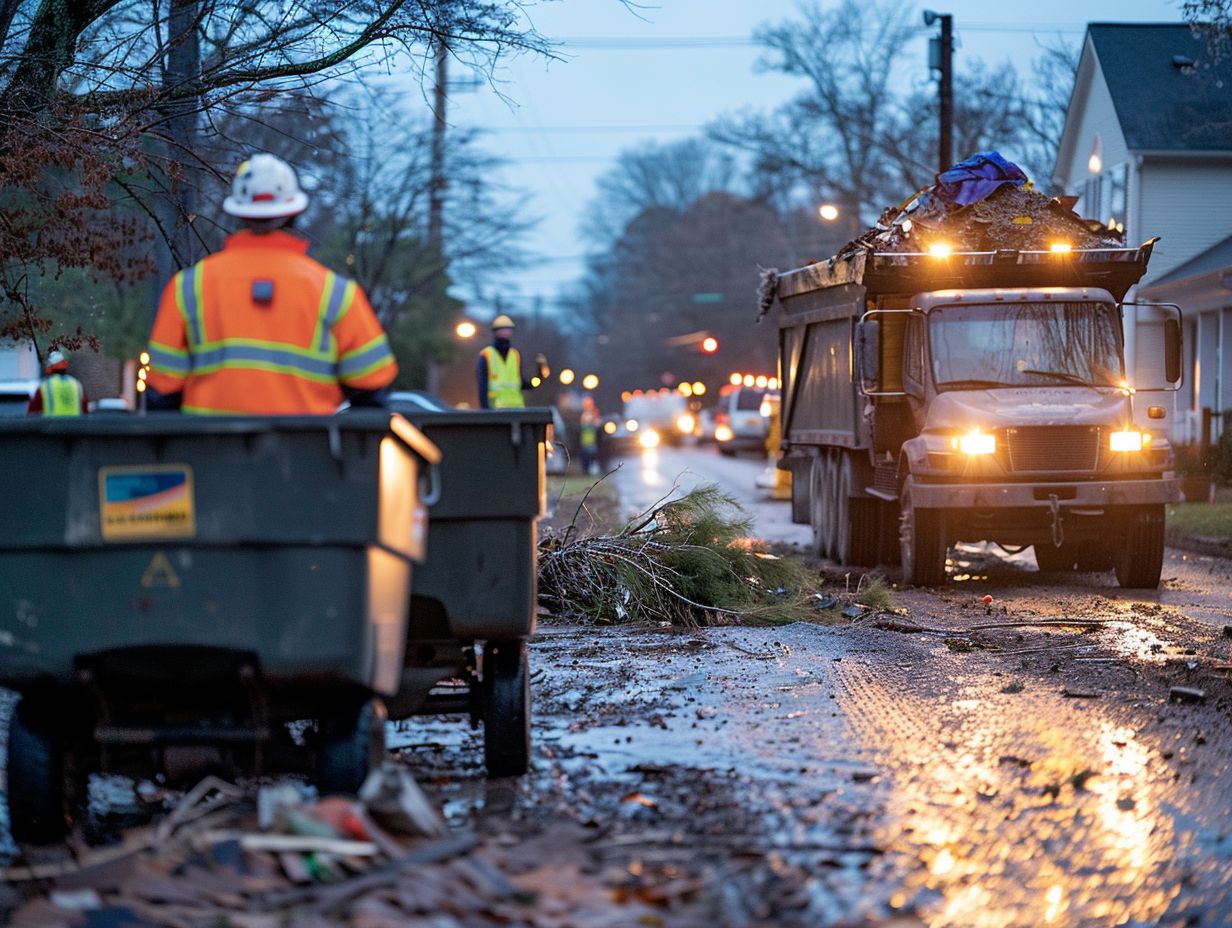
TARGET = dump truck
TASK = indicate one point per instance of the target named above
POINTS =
(941, 395)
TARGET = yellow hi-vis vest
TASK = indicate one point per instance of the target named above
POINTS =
(61, 395)
(504, 378)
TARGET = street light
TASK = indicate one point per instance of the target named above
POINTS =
(566, 376)
(710, 344)
(466, 329)
(590, 381)
(828, 212)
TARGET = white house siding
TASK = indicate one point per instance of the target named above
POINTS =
(1095, 115)
(1188, 203)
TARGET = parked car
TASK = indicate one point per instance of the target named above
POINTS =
(739, 423)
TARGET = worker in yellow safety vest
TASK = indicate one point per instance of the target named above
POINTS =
(500, 370)
(59, 392)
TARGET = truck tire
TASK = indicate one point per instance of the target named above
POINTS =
(506, 708)
(352, 745)
(922, 545)
(817, 507)
(1141, 558)
(858, 522)
(831, 511)
(38, 813)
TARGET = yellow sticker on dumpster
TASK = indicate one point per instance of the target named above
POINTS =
(146, 502)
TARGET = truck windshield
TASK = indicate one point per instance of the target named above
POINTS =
(1026, 344)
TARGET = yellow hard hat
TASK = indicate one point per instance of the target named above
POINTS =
(502, 322)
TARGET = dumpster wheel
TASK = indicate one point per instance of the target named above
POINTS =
(35, 779)
(506, 708)
(352, 745)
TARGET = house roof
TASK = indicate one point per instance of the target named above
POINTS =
(1216, 258)
(1159, 105)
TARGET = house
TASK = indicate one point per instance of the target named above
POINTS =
(1147, 148)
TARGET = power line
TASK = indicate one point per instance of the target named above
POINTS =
(652, 43)
(681, 127)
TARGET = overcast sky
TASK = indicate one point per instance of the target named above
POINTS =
(665, 73)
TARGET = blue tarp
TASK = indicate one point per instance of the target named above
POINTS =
(970, 181)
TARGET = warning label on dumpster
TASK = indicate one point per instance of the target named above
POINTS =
(146, 502)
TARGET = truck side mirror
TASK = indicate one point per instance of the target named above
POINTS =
(1172, 350)
(867, 360)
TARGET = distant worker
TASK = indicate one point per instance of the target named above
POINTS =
(500, 369)
(588, 432)
(260, 328)
(59, 392)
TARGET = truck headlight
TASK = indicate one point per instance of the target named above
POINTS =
(975, 443)
(685, 424)
(1128, 440)
(723, 433)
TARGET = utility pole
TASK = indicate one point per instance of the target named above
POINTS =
(941, 59)
(436, 186)
(436, 192)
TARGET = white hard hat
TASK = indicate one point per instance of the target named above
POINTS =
(265, 187)
(56, 358)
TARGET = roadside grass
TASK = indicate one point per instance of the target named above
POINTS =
(1204, 520)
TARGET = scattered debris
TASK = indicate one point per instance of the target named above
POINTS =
(1079, 694)
(1186, 694)
(688, 561)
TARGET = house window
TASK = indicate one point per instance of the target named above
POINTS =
(1088, 201)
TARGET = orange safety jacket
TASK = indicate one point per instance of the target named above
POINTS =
(260, 328)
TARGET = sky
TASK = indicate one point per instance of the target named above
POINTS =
(663, 72)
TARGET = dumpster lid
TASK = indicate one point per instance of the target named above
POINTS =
(173, 424)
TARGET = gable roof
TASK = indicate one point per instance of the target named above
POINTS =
(1216, 258)
(1159, 106)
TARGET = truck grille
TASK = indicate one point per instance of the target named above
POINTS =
(1069, 449)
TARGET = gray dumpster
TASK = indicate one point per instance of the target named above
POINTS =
(473, 605)
(176, 588)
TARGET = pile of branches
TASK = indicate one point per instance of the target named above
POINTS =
(690, 561)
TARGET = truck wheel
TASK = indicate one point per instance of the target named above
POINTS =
(842, 511)
(352, 746)
(1142, 555)
(817, 507)
(831, 511)
(506, 708)
(1052, 559)
(859, 526)
(921, 542)
(38, 813)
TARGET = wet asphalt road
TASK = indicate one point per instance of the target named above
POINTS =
(850, 774)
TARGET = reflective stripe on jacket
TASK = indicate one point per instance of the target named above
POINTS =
(61, 395)
(504, 378)
(262, 329)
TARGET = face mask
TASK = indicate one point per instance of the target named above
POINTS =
(502, 345)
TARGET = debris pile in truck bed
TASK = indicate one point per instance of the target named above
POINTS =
(688, 561)
(226, 858)
(983, 204)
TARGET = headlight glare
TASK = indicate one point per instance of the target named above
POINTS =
(977, 442)
(1128, 440)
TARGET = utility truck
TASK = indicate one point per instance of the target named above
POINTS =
(937, 396)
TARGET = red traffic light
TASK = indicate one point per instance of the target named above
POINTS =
(710, 344)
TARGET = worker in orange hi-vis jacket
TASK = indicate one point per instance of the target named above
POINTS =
(260, 328)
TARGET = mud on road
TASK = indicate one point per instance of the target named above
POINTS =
(1029, 774)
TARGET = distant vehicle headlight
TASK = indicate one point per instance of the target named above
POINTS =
(1129, 440)
(648, 439)
(609, 428)
(630, 425)
(975, 443)
(723, 433)
(685, 424)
